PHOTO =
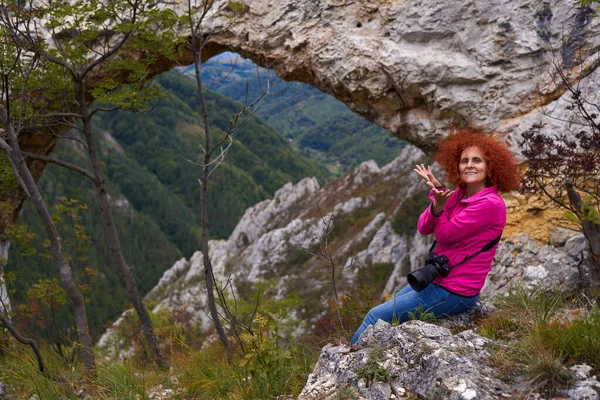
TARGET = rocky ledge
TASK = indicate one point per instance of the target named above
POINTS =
(417, 359)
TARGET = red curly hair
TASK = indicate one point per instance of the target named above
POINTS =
(503, 171)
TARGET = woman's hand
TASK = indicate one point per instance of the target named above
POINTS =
(440, 199)
(427, 175)
(441, 195)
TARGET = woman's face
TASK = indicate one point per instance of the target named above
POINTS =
(473, 168)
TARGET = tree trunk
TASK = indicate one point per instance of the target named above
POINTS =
(208, 270)
(111, 231)
(591, 231)
(5, 308)
(66, 276)
(25, 340)
(4, 299)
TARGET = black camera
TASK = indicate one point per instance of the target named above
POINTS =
(434, 265)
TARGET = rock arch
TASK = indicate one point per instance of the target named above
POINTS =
(413, 68)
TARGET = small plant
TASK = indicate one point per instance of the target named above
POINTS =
(499, 326)
(537, 306)
(536, 342)
(423, 315)
(372, 370)
(235, 8)
(346, 392)
(547, 372)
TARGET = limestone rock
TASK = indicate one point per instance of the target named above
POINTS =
(535, 265)
(585, 386)
(422, 359)
(415, 68)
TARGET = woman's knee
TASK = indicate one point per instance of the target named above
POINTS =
(461, 307)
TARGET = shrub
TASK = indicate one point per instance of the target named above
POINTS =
(537, 342)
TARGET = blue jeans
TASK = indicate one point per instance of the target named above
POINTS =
(433, 299)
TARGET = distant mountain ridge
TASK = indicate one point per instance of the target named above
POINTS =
(320, 126)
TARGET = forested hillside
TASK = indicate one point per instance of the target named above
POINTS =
(165, 142)
(150, 165)
(319, 125)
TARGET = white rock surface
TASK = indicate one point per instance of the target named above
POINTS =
(416, 67)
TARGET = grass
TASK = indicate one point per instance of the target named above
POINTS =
(270, 371)
(538, 339)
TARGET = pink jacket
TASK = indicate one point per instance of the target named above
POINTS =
(463, 228)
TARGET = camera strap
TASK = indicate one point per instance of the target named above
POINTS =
(485, 248)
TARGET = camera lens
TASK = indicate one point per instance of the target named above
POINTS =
(422, 277)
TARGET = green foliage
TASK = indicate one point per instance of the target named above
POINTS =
(19, 371)
(500, 326)
(267, 370)
(371, 370)
(321, 127)
(114, 380)
(17, 234)
(539, 339)
(346, 392)
(265, 358)
(8, 181)
(577, 341)
(66, 215)
(125, 381)
(423, 315)
(235, 8)
(584, 3)
(537, 306)
(41, 300)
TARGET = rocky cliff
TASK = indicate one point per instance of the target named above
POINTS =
(413, 68)
(421, 360)
(416, 67)
(375, 210)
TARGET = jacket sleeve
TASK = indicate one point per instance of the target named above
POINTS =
(427, 220)
(474, 219)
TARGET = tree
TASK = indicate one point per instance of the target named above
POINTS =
(14, 64)
(215, 148)
(565, 165)
(84, 36)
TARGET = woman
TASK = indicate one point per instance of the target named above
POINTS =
(463, 222)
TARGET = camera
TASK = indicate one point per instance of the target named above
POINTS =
(434, 265)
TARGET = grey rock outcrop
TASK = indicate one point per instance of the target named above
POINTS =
(425, 361)
(585, 385)
(535, 265)
(413, 68)
(420, 359)
(416, 67)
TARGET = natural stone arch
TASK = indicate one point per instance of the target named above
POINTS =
(412, 68)
(416, 68)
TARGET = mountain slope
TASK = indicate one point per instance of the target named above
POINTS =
(166, 141)
(322, 127)
(155, 192)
